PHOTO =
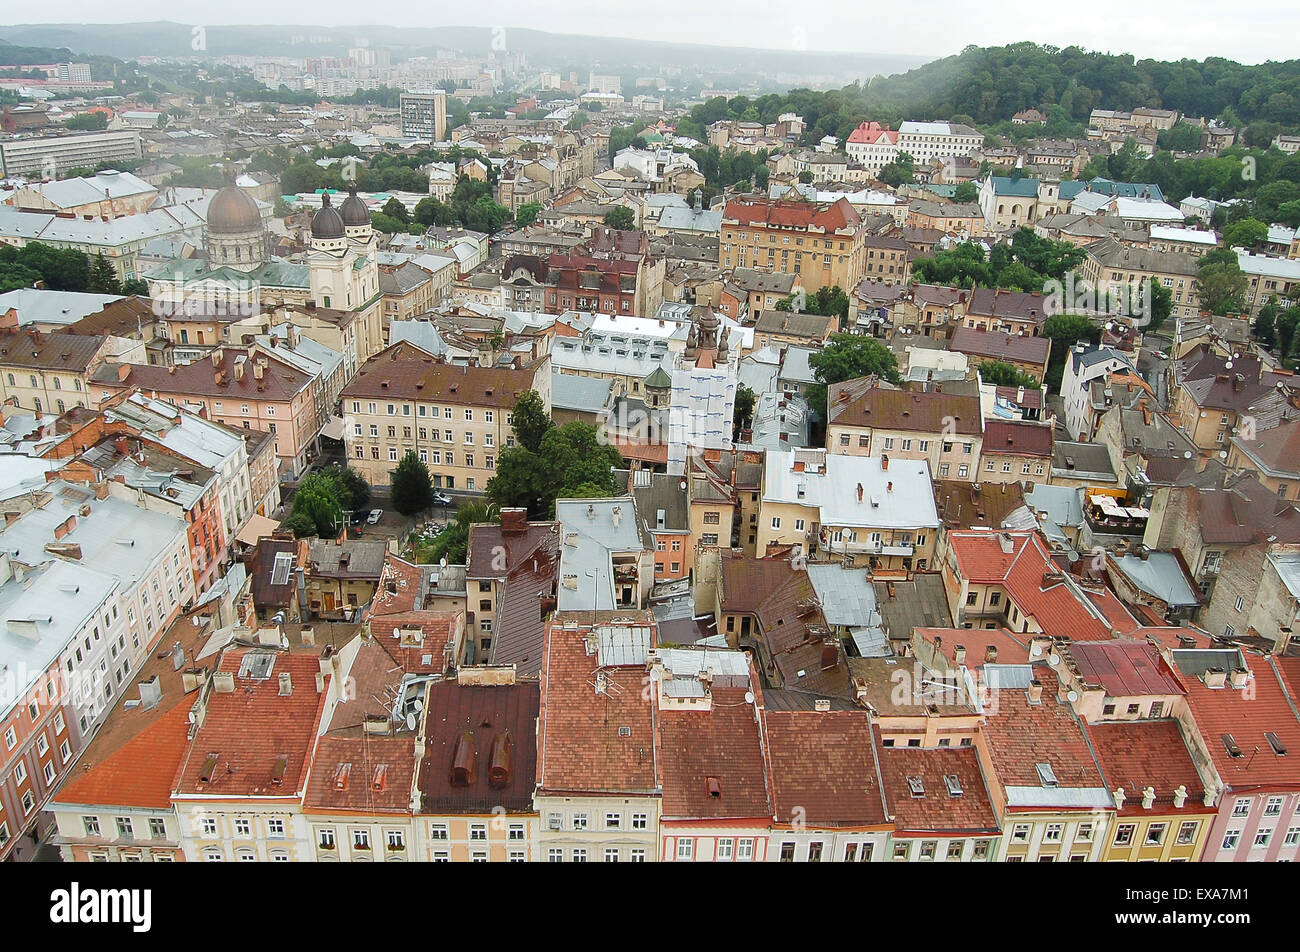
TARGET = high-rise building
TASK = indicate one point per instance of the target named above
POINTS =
(424, 115)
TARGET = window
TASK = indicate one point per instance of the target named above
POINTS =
(554, 855)
(580, 821)
(1124, 834)
(212, 855)
(1273, 807)
(275, 828)
(611, 854)
(776, 522)
(579, 855)
(361, 839)
(91, 823)
(11, 738)
(1155, 834)
(980, 850)
(325, 838)
(725, 847)
(637, 856)
(787, 852)
(1231, 839)
(1241, 807)
(516, 856)
(1084, 833)
(243, 827)
(396, 840)
(685, 847)
(1292, 836)
(901, 851)
(20, 772)
(1262, 837)
(478, 831)
(638, 821)
(1187, 833)
(1053, 833)
(516, 831)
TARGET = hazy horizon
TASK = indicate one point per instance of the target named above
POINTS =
(1253, 34)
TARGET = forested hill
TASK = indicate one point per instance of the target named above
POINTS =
(987, 85)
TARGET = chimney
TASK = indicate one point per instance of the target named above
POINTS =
(1035, 691)
(259, 371)
(990, 654)
(1239, 678)
(286, 684)
(223, 682)
(239, 371)
(1215, 677)
(830, 653)
(959, 654)
(514, 521)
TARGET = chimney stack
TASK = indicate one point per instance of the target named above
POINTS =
(1035, 691)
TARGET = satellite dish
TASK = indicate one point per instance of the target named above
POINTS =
(418, 705)
(1073, 696)
(1036, 650)
(1055, 658)
(1227, 365)
(1223, 454)
(749, 697)
(410, 721)
(442, 562)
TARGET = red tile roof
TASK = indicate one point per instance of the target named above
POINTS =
(485, 719)
(1023, 439)
(1016, 305)
(1125, 668)
(252, 728)
(1011, 649)
(582, 744)
(936, 810)
(722, 744)
(774, 213)
(1033, 581)
(1247, 713)
(437, 632)
(368, 775)
(1022, 735)
(1140, 754)
(824, 768)
(999, 345)
(866, 402)
(873, 132)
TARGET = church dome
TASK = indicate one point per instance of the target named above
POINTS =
(326, 223)
(353, 211)
(232, 211)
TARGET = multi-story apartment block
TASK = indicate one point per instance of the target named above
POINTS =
(457, 418)
(824, 244)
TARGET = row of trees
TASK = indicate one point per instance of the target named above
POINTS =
(1024, 265)
(61, 269)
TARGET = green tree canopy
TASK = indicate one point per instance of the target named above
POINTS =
(1002, 374)
(620, 217)
(527, 213)
(412, 488)
(1220, 284)
(531, 421)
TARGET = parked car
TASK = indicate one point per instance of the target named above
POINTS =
(441, 498)
(375, 516)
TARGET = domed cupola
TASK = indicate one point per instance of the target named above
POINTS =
(353, 211)
(327, 224)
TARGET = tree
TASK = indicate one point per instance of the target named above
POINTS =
(412, 489)
(1246, 233)
(531, 421)
(527, 213)
(805, 177)
(1181, 137)
(282, 208)
(452, 543)
(394, 208)
(88, 122)
(966, 193)
(1064, 331)
(103, 277)
(743, 418)
(620, 217)
(135, 286)
(1002, 374)
(569, 460)
(847, 357)
(1265, 331)
(317, 501)
(300, 524)
(1219, 284)
(1285, 330)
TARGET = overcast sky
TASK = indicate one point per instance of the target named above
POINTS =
(1250, 32)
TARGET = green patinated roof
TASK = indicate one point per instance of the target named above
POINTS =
(276, 274)
(658, 379)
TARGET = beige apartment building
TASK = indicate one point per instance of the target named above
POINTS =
(50, 373)
(824, 244)
(866, 417)
(457, 418)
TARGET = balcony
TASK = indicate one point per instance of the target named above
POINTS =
(843, 547)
